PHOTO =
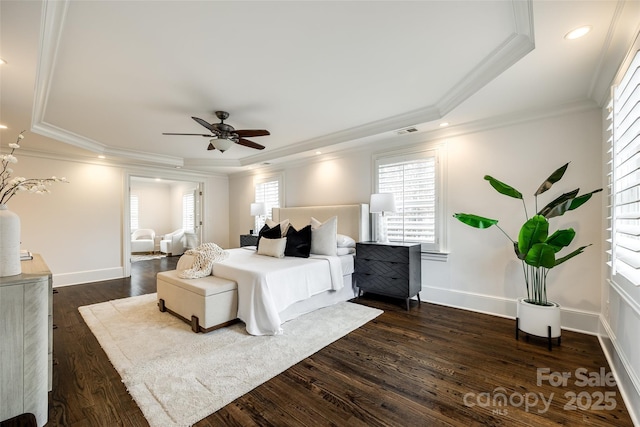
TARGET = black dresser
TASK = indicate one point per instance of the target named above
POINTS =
(390, 269)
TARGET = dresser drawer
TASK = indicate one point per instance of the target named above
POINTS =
(396, 270)
(393, 287)
(383, 253)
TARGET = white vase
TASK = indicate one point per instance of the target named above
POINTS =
(538, 320)
(9, 242)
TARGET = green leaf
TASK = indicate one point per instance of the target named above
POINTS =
(553, 178)
(559, 206)
(534, 231)
(561, 239)
(581, 200)
(503, 188)
(572, 254)
(475, 220)
(541, 255)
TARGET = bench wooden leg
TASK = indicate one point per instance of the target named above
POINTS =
(161, 305)
(195, 324)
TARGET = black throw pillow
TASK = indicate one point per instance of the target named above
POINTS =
(269, 233)
(298, 242)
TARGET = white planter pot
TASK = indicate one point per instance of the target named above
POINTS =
(9, 243)
(537, 319)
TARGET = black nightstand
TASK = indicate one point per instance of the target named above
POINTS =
(390, 269)
(248, 240)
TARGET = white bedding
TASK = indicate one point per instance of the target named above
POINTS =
(267, 285)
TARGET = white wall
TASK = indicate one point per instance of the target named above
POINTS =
(155, 206)
(79, 228)
(482, 272)
(325, 180)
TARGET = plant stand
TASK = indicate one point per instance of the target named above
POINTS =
(537, 320)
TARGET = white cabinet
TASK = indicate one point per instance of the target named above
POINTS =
(26, 341)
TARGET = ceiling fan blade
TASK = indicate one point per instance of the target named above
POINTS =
(250, 144)
(189, 134)
(205, 124)
(252, 132)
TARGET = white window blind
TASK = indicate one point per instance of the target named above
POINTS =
(188, 212)
(269, 193)
(134, 212)
(625, 174)
(413, 182)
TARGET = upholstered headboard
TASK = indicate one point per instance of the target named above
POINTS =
(353, 220)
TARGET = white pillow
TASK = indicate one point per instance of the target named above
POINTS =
(345, 251)
(272, 247)
(324, 236)
(284, 225)
(345, 241)
(185, 262)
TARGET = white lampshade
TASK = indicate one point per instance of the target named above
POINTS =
(221, 144)
(382, 202)
(258, 209)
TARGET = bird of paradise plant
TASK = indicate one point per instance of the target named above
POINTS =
(535, 247)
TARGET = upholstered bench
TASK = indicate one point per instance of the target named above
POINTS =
(207, 303)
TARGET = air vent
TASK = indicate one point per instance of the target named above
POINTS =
(406, 130)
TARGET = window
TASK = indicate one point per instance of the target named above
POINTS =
(414, 181)
(624, 179)
(135, 212)
(188, 212)
(267, 191)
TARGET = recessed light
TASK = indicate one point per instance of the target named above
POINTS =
(2, 61)
(578, 32)
(318, 152)
(3, 127)
(102, 156)
(444, 124)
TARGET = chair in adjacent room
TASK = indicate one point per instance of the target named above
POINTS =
(143, 240)
(172, 244)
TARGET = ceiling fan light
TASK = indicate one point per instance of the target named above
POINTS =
(221, 144)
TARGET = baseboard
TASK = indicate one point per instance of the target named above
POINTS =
(572, 320)
(628, 385)
(81, 277)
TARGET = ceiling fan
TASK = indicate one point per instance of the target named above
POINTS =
(224, 135)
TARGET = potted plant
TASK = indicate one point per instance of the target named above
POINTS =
(537, 250)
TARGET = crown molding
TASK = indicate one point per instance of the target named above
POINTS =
(510, 51)
(211, 163)
(416, 141)
(145, 157)
(422, 115)
(614, 51)
(513, 48)
(53, 16)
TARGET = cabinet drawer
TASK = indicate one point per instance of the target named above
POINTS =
(393, 287)
(383, 253)
(396, 270)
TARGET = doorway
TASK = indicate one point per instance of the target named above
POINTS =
(162, 206)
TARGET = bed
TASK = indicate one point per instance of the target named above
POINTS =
(272, 291)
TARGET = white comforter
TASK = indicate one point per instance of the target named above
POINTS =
(267, 285)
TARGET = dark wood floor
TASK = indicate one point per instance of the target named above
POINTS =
(430, 366)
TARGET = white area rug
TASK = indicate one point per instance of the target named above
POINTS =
(146, 257)
(178, 377)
